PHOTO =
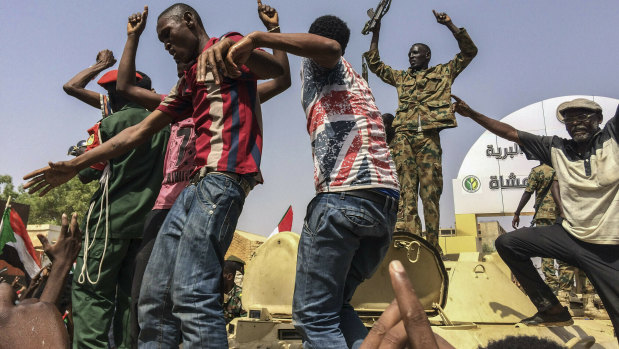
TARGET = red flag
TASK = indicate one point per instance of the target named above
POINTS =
(285, 224)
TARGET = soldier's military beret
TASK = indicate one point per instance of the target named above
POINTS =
(112, 76)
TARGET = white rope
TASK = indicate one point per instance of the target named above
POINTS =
(84, 274)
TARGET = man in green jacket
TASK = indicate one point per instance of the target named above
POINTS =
(423, 111)
(113, 226)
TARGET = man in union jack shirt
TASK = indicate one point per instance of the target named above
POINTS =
(350, 222)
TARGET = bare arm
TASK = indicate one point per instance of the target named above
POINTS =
(62, 254)
(404, 323)
(125, 83)
(325, 52)
(526, 196)
(264, 65)
(272, 88)
(212, 60)
(500, 129)
(58, 173)
(76, 86)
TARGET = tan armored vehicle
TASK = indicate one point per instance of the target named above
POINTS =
(482, 304)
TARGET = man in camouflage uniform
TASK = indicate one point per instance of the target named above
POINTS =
(540, 181)
(423, 111)
(231, 292)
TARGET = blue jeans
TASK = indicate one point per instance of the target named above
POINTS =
(344, 240)
(181, 286)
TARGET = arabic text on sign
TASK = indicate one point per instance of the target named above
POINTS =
(503, 153)
(512, 182)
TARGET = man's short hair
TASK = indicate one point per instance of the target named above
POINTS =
(425, 47)
(144, 82)
(388, 118)
(177, 11)
(231, 267)
(522, 342)
(331, 27)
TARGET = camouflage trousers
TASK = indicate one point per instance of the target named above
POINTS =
(561, 279)
(417, 156)
(564, 281)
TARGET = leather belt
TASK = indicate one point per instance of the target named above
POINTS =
(369, 194)
(242, 180)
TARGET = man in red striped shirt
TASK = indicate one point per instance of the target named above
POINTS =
(181, 283)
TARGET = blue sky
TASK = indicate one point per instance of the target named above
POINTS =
(528, 51)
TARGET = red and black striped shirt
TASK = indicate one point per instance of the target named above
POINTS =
(227, 118)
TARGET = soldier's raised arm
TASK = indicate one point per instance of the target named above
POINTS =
(376, 66)
(375, 37)
(468, 50)
(444, 19)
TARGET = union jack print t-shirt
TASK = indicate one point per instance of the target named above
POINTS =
(346, 130)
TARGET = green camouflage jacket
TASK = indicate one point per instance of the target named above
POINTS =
(539, 178)
(424, 96)
(232, 304)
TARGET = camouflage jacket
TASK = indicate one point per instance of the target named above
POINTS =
(540, 178)
(232, 304)
(424, 96)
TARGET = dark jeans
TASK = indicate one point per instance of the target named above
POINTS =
(180, 291)
(599, 262)
(152, 223)
(344, 240)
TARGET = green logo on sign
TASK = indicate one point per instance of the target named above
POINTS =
(471, 184)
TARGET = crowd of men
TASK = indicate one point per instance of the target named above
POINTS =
(174, 172)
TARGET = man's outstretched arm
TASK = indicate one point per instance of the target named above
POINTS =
(76, 87)
(323, 51)
(58, 173)
(125, 84)
(264, 65)
(500, 129)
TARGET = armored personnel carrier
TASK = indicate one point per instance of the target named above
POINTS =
(469, 301)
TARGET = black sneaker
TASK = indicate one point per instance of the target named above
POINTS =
(542, 318)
